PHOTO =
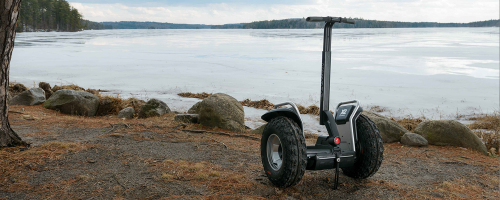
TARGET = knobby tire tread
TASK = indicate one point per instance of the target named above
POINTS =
(294, 165)
(370, 157)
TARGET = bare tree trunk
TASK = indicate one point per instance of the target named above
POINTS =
(9, 10)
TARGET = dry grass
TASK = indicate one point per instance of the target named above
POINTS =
(377, 109)
(265, 104)
(408, 123)
(202, 95)
(488, 122)
(68, 87)
(312, 109)
(491, 140)
(16, 88)
(77, 88)
(487, 127)
(109, 105)
(217, 179)
(262, 104)
(16, 164)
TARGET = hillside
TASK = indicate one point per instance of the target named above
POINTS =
(360, 23)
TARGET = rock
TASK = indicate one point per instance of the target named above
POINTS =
(389, 129)
(259, 131)
(46, 87)
(195, 109)
(127, 113)
(187, 118)
(222, 111)
(73, 102)
(450, 132)
(134, 103)
(153, 107)
(413, 139)
(33, 96)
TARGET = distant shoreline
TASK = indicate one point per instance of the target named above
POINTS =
(296, 24)
(277, 24)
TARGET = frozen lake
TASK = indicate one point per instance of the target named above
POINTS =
(434, 72)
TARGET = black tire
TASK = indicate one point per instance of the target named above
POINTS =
(292, 150)
(369, 150)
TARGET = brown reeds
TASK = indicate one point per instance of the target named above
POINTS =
(408, 123)
(109, 105)
(487, 127)
(202, 95)
(262, 104)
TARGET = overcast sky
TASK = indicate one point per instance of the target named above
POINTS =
(236, 11)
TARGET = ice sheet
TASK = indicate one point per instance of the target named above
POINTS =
(431, 72)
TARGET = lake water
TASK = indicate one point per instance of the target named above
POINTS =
(431, 72)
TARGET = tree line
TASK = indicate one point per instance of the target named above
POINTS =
(51, 15)
(152, 25)
(360, 23)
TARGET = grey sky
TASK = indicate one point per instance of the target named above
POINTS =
(236, 11)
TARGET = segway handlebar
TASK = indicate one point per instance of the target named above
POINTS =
(330, 19)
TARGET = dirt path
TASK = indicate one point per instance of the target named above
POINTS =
(102, 158)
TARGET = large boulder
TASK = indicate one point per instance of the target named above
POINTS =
(153, 107)
(450, 132)
(389, 129)
(413, 139)
(223, 111)
(127, 113)
(73, 102)
(33, 96)
(195, 109)
(46, 87)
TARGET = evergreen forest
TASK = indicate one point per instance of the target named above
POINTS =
(51, 15)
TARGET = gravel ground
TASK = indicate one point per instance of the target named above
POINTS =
(101, 158)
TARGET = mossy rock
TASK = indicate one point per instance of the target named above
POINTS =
(450, 133)
(389, 129)
(153, 107)
(73, 102)
(222, 111)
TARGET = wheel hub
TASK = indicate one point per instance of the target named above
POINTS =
(274, 152)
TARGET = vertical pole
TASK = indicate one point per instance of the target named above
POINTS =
(325, 72)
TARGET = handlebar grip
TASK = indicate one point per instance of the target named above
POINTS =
(348, 21)
(315, 19)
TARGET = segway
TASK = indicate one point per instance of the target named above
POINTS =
(353, 143)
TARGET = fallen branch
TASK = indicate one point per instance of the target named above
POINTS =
(11, 111)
